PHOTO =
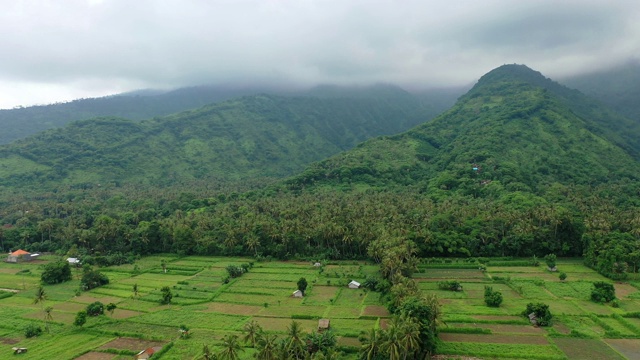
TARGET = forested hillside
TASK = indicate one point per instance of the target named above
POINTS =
(251, 137)
(22, 122)
(142, 105)
(520, 166)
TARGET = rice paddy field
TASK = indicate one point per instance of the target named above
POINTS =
(581, 329)
(212, 309)
(209, 307)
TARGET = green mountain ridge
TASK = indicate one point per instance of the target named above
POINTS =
(249, 137)
(521, 130)
(145, 104)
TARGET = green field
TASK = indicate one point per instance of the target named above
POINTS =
(213, 309)
(581, 329)
(201, 301)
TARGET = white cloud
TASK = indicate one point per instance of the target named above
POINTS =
(53, 49)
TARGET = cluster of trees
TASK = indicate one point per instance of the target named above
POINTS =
(294, 345)
(105, 228)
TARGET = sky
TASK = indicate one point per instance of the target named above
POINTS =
(60, 50)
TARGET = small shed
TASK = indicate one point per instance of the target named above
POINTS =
(317, 264)
(19, 350)
(354, 285)
(73, 261)
(147, 353)
(533, 319)
(323, 324)
(297, 294)
(18, 256)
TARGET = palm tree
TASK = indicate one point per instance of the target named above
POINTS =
(251, 330)
(136, 293)
(40, 298)
(391, 344)
(409, 337)
(267, 347)
(295, 345)
(47, 317)
(371, 343)
(231, 347)
(207, 354)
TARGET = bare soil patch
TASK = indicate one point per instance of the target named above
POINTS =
(130, 344)
(93, 355)
(561, 328)
(586, 349)
(375, 310)
(495, 338)
(627, 347)
(70, 306)
(348, 341)
(124, 314)
(624, 290)
(9, 341)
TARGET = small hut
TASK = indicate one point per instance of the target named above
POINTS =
(317, 264)
(19, 256)
(533, 319)
(323, 324)
(297, 294)
(354, 285)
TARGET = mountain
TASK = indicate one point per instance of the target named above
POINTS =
(245, 138)
(21, 122)
(146, 104)
(515, 130)
(618, 87)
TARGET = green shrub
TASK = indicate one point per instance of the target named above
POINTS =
(551, 260)
(56, 272)
(603, 292)
(492, 298)
(92, 279)
(562, 276)
(451, 285)
(95, 309)
(81, 318)
(32, 330)
(541, 312)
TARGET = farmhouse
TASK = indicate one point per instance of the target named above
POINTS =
(323, 324)
(297, 294)
(354, 285)
(147, 353)
(19, 256)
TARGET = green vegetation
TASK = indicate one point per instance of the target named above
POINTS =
(520, 167)
(92, 278)
(32, 330)
(56, 272)
(603, 292)
(302, 284)
(492, 297)
(538, 312)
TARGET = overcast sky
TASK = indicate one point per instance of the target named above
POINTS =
(60, 50)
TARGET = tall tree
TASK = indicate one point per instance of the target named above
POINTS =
(230, 347)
